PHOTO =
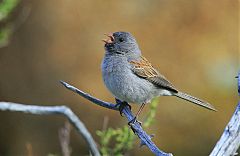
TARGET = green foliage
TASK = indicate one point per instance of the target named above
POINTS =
(5, 34)
(115, 141)
(118, 141)
(6, 8)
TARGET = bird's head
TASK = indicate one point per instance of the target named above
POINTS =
(121, 43)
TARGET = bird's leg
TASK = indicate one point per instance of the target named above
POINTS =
(135, 118)
(122, 104)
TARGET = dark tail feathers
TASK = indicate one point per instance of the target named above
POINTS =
(195, 100)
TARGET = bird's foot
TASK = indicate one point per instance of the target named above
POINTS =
(122, 105)
(133, 121)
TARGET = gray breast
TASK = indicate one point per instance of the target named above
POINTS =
(124, 84)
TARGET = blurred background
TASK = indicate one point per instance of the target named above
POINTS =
(195, 44)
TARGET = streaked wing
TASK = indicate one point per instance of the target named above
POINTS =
(144, 69)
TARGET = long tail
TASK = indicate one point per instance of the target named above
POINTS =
(195, 100)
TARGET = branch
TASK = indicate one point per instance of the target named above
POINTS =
(49, 110)
(143, 136)
(64, 138)
(230, 139)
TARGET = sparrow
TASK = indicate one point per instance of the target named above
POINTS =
(131, 78)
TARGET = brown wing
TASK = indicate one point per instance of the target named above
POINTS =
(144, 69)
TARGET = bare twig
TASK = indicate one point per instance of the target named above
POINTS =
(49, 110)
(64, 138)
(105, 122)
(89, 97)
(230, 139)
(143, 136)
(29, 149)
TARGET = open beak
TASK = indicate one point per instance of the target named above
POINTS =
(110, 38)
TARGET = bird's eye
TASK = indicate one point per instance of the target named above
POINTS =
(121, 39)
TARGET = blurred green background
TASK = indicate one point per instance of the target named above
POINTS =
(195, 44)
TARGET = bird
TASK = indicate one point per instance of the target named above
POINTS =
(131, 78)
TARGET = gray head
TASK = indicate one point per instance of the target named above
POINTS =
(121, 43)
